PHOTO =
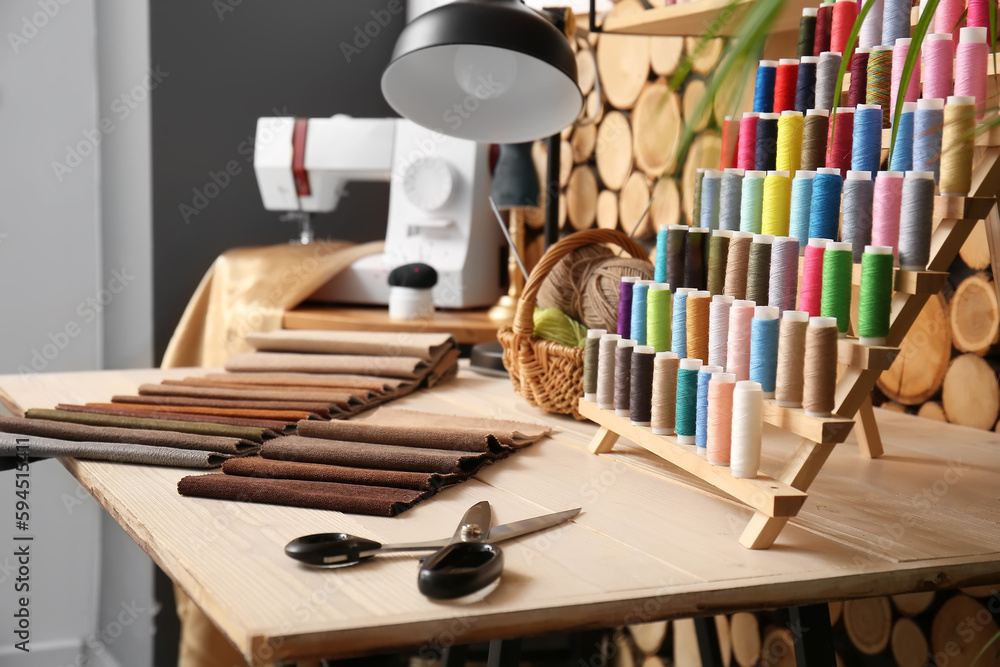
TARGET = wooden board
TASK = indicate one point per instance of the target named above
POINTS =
(692, 18)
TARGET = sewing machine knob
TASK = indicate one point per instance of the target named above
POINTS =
(428, 183)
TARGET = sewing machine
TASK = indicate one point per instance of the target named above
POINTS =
(438, 200)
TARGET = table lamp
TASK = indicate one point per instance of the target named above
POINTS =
(514, 188)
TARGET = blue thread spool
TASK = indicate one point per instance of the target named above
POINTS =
(638, 323)
(928, 122)
(701, 408)
(866, 147)
(902, 150)
(711, 186)
(764, 348)
(660, 269)
(687, 401)
(802, 190)
(824, 210)
(752, 202)
(763, 92)
(678, 323)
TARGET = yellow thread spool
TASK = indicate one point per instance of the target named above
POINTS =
(777, 203)
(957, 140)
(789, 157)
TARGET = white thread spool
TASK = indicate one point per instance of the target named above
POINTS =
(748, 415)
(718, 329)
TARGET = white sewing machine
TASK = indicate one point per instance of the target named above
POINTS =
(438, 200)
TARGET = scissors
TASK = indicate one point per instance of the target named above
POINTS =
(461, 564)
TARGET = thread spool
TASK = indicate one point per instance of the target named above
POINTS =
(730, 142)
(695, 268)
(838, 269)
(866, 149)
(901, 155)
(880, 80)
(957, 140)
(824, 19)
(676, 242)
(807, 33)
(815, 130)
(759, 268)
(875, 295)
(845, 13)
(886, 207)
(827, 70)
(718, 254)
(811, 294)
(900, 49)
(871, 28)
(591, 354)
(606, 371)
(752, 201)
(718, 329)
(791, 358)
(978, 16)
(783, 281)
(746, 156)
(858, 91)
(764, 348)
(711, 187)
(738, 345)
(658, 317)
(776, 207)
(820, 368)
(896, 21)
(730, 198)
(623, 376)
(737, 264)
(660, 265)
(839, 153)
(939, 65)
(748, 416)
(625, 304)
(763, 92)
(928, 122)
(947, 17)
(664, 402)
(678, 322)
(789, 146)
(915, 220)
(641, 386)
(798, 219)
(824, 209)
(859, 195)
(637, 329)
(699, 178)
(687, 401)
(785, 81)
(697, 323)
(720, 418)
(705, 374)
(805, 84)
(767, 141)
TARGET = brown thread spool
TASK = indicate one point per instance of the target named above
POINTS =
(664, 399)
(815, 129)
(759, 269)
(698, 306)
(957, 140)
(737, 264)
(623, 376)
(791, 358)
(718, 254)
(640, 401)
(820, 368)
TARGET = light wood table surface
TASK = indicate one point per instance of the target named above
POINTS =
(467, 326)
(650, 544)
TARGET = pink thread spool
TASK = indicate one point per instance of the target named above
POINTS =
(970, 66)
(886, 208)
(939, 66)
(947, 17)
(720, 418)
(811, 292)
(738, 352)
(899, 51)
(746, 153)
(979, 16)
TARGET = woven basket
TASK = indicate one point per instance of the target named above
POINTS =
(549, 374)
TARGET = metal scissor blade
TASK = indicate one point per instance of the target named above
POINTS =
(475, 524)
(511, 530)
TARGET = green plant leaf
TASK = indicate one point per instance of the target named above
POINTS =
(983, 650)
(845, 61)
(916, 41)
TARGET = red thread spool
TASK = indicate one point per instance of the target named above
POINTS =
(859, 78)
(730, 143)
(839, 154)
(824, 19)
(845, 13)
(979, 17)
(785, 80)
(812, 277)
(747, 153)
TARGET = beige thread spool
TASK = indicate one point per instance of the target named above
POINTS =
(737, 265)
(791, 358)
(665, 366)
(820, 369)
(606, 371)
(957, 140)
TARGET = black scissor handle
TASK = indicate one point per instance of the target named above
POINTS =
(331, 549)
(459, 569)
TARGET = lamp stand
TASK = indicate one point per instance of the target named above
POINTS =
(503, 311)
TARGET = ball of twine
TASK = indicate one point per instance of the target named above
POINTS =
(561, 288)
(599, 289)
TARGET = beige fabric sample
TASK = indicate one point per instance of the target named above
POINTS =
(427, 346)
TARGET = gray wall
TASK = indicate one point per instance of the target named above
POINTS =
(225, 70)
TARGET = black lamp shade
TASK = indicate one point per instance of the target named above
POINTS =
(486, 70)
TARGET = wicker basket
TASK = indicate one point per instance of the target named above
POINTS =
(549, 374)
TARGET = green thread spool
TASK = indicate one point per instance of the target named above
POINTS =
(658, 314)
(752, 202)
(880, 81)
(591, 353)
(838, 270)
(875, 299)
(687, 400)
(718, 256)
(759, 269)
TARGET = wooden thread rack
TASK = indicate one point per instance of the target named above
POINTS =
(778, 499)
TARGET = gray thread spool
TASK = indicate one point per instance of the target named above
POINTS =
(591, 356)
(826, 79)
(711, 185)
(641, 386)
(606, 371)
(730, 199)
(623, 376)
(915, 220)
(781, 286)
(859, 193)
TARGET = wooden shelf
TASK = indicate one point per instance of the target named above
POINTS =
(692, 19)
(851, 352)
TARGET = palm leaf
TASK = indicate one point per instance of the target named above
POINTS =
(917, 40)
(983, 650)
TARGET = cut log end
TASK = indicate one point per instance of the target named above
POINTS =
(952, 634)
(744, 631)
(909, 646)
(970, 394)
(613, 151)
(919, 369)
(974, 315)
(932, 410)
(869, 624)
(632, 206)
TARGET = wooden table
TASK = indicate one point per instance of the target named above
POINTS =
(467, 326)
(650, 544)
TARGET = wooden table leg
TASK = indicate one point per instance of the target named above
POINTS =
(812, 636)
(708, 641)
(800, 472)
(604, 441)
(869, 440)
